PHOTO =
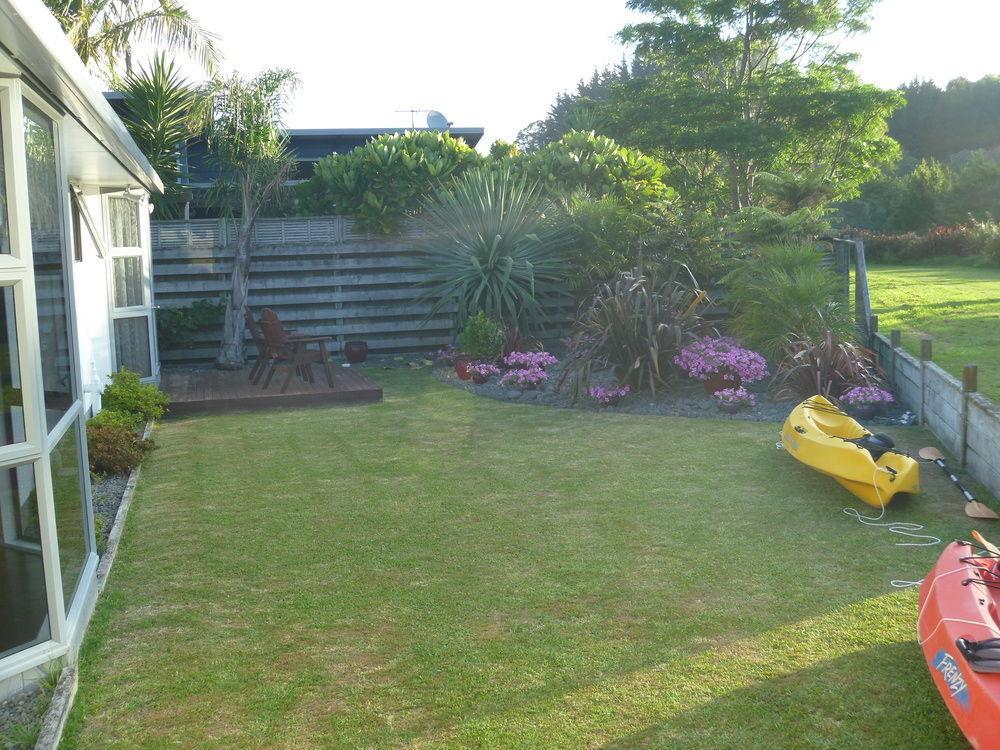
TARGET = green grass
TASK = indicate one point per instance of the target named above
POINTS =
(442, 570)
(959, 305)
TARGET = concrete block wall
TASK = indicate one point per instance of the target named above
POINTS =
(968, 421)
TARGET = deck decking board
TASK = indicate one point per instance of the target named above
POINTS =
(218, 391)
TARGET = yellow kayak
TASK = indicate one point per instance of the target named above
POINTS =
(821, 436)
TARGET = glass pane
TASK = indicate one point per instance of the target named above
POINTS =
(128, 282)
(23, 602)
(44, 197)
(71, 516)
(4, 229)
(132, 345)
(124, 222)
(11, 410)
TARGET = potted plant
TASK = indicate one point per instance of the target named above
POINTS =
(608, 396)
(481, 371)
(866, 401)
(356, 352)
(461, 362)
(732, 400)
(721, 363)
(480, 341)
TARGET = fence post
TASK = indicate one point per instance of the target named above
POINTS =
(862, 298)
(926, 355)
(895, 340)
(970, 384)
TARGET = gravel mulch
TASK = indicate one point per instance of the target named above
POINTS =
(682, 398)
(23, 708)
(108, 492)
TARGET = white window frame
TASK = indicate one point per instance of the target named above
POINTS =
(17, 269)
(144, 253)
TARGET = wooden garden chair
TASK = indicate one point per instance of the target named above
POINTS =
(294, 352)
(263, 356)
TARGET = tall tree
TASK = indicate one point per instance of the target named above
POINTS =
(750, 86)
(103, 32)
(247, 140)
(162, 110)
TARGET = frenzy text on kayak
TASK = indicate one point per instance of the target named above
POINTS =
(951, 673)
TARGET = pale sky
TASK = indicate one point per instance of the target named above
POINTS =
(498, 64)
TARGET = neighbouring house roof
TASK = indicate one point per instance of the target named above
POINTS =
(33, 39)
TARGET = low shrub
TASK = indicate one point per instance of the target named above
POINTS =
(128, 395)
(176, 326)
(867, 395)
(482, 337)
(781, 291)
(825, 367)
(114, 449)
(715, 355)
(112, 417)
(608, 396)
(974, 238)
(636, 326)
(734, 398)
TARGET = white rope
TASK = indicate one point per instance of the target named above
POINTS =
(902, 528)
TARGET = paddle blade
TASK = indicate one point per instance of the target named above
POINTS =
(975, 509)
(930, 454)
(984, 543)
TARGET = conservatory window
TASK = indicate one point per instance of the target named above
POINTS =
(44, 198)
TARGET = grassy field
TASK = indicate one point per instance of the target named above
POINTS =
(442, 570)
(958, 305)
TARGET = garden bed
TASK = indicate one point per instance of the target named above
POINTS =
(681, 398)
(20, 717)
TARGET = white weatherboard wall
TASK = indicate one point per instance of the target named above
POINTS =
(972, 427)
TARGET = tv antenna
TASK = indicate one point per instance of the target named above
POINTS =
(435, 120)
(413, 112)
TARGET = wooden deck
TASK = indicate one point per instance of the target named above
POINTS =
(215, 391)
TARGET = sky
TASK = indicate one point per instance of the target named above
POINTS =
(499, 64)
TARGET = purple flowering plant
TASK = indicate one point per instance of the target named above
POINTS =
(735, 398)
(527, 377)
(483, 369)
(448, 355)
(608, 396)
(527, 360)
(712, 355)
(867, 394)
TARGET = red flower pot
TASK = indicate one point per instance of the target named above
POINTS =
(722, 379)
(462, 368)
(356, 352)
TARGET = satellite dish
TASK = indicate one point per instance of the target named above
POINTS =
(437, 121)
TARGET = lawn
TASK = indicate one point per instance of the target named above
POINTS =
(442, 570)
(958, 305)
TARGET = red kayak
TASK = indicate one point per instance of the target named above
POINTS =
(959, 629)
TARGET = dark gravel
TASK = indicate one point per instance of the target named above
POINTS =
(682, 398)
(23, 708)
(108, 492)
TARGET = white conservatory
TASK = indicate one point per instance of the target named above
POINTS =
(75, 305)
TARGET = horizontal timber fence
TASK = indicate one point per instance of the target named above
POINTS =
(319, 274)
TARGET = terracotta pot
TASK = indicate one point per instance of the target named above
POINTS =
(462, 368)
(720, 380)
(356, 352)
(480, 379)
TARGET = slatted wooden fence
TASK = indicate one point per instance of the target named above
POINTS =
(318, 273)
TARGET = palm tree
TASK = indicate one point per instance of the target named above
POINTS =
(103, 31)
(162, 110)
(248, 142)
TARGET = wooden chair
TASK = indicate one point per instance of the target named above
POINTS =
(292, 351)
(263, 355)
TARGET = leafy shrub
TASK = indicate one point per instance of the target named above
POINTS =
(757, 224)
(112, 417)
(783, 290)
(825, 366)
(596, 164)
(482, 338)
(176, 326)
(114, 449)
(380, 183)
(492, 247)
(504, 150)
(960, 241)
(128, 396)
(636, 325)
(987, 240)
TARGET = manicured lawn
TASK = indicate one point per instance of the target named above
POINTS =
(442, 570)
(958, 305)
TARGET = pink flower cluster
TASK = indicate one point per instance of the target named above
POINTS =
(528, 369)
(527, 377)
(529, 359)
(446, 355)
(735, 397)
(608, 396)
(483, 369)
(867, 394)
(710, 356)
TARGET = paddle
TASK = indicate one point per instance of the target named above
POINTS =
(973, 508)
(985, 543)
